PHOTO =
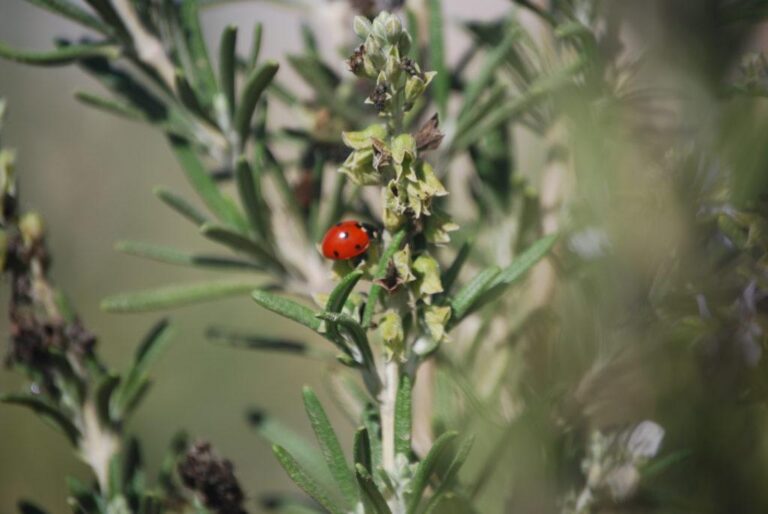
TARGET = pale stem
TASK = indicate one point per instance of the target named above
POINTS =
(98, 445)
(387, 411)
(423, 404)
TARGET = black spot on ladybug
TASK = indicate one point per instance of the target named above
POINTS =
(343, 235)
(358, 225)
(336, 253)
(358, 247)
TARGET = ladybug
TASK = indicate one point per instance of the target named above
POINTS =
(347, 240)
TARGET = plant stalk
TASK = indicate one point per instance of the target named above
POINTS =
(387, 412)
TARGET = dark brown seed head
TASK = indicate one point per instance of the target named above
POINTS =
(213, 478)
(355, 61)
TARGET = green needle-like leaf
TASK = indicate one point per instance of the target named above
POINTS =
(287, 308)
(227, 58)
(240, 243)
(111, 106)
(255, 85)
(381, 272)
(190, 17)
(170, 255)
(452, 273)
(468, 295)
(180, 205)
(249, 189)
(442, 82)
(49, 413)
(403, 408)
(177, 295)
(258, 29)
(361, 448)
(104, 390)
(219, 204)
(330, 447)
(373, 499)
(189, 97)
(525, 261)
(307, 483)
(26, 507)
(60, 56)
(426, 468)
(451, 474)
(237, 339)
(309, 457)
(341, 292)
(73, 12)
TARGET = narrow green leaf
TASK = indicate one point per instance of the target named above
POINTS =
(49, 413)
(525, 261)
(180, 205)
(60, 56)
(110, 106)
(26, 507)
(104, 391)
(309, 457)
(403, 408)
(254, 87)
(227, 57)
(426, 468)
(190, 17)
(177, 295)
(468, 295)
(255, 44)
(451, 474)
(372, 424)
(358, 336)
(330, 447)
(106, 12)
(189, 97)
(341, 292)
(307, 483)
(373, 499)
(170, 255)
(442, 82)
(126, 397)
(259, 342)
(249, 188)
(361, 448)
(381, 272)
(491, 65)
(240, 243)
(450, 275)
(287, 308)
(167, 473)
(73, 12)
(203, 183)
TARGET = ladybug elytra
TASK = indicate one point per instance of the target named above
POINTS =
(347, 240)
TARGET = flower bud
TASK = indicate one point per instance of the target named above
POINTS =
(31, 227)
(362, 26)
(393, 29)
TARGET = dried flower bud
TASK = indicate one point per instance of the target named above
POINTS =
(212, 478)
(380, 96)
(356, 61)
(428, 137)
(410, 67)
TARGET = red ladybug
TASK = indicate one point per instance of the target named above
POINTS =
(347, 240)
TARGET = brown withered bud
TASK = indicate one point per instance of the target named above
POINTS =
(379, 96)
(429, 137)
(391, 281)
(355, 61)
(381, 156)
(410, 67)
(212, 478)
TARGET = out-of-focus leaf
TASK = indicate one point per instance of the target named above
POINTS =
(180, 205)
(26, 507)
(426, 468)
(73, 12)
(249, 188)
(442, 81)
(227, 57)
(240, 243)
(60, 56)
(48, 412)
(170, 255)
(206, 80)
(104, 390)
(450, 275)
(361, 449)
(249, 341)
(219, 204)
(255, 85)
(109, 105)
(468, 295)
(451, 474)
(258, 29)
(177, 295)
(307, 483)
(330, 447)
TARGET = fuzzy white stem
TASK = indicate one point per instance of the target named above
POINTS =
(387, 411)
(98, 445)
